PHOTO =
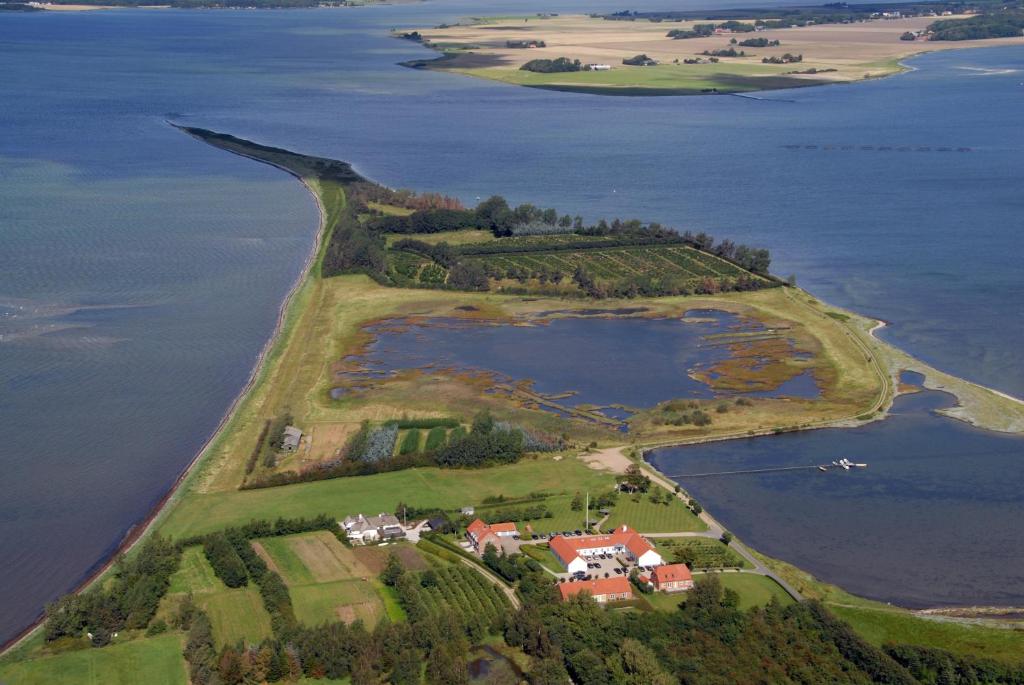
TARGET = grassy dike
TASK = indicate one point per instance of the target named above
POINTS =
(323, 319)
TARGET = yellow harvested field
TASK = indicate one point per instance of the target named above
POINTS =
(854, 51)
(326, 558)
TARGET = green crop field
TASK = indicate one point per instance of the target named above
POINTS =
(422, 487)
(700, 552)
(154, 661)
(646, 517)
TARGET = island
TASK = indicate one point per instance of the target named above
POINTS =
(693, 53)
(391, 499)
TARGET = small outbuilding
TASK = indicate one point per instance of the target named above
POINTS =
(290, 439)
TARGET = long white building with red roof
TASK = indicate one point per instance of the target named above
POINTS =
(574, 552)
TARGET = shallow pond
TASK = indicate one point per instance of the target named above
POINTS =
(934, 519)
(631, 361)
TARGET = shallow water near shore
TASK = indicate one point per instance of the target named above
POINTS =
(141, 272)
(933, 519)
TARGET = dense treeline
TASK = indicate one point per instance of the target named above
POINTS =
(708, 641)
(128, 600)
(225, 561)
(939, 667)
(991, 25)
(558, 65)
(486, 444)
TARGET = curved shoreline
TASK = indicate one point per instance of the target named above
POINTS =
(140, 529)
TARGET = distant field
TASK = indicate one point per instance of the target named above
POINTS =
(326, 580)
(154, 661)
(836, 53)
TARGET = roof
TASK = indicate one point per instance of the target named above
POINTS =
(569, 548)
(671, 573)
(479, 530)
(601, 586)
(360, 523)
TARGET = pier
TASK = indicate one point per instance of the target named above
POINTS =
(841, 464)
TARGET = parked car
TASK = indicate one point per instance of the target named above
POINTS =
(579, 532)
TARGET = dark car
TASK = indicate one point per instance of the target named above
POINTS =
(579, 532)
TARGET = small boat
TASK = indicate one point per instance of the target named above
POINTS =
(822, 468)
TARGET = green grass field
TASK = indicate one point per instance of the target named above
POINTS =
(425, 487)
(236, 614)
(194, 574)
(154, 661)
(647, 517)
(881, 625)
(543, 554)
(754, 590)
(341, 600)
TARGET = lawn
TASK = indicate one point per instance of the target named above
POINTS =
(882, 625)
(325, 579)
(665, 601)
(646, 517)
(424, 487)
(544, 555)
(754, 590)
(154, 661)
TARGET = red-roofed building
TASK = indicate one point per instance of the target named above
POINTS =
(481, 534)
(672, 578)
(603, 590)
(573, 552)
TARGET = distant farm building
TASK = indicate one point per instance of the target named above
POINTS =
(603, 590)
(573, 553)
(599, 67)
(364, 529)
(291, 438)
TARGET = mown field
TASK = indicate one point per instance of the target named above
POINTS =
(644, 516)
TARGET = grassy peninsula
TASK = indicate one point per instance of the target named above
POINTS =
(244, 576)
(689, 53)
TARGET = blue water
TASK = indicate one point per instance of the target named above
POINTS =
(932, 520)
(141, 271)
(637, 362)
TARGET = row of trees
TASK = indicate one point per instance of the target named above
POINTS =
(552, 66)
(1003, 24)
